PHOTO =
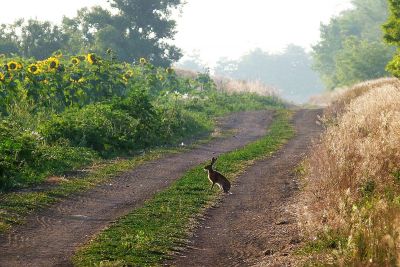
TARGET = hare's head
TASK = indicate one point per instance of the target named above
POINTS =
(209, 167)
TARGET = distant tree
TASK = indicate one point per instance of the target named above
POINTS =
(347, 38)
(290, 71)
(133, 29)
(41, 39)
(226, 67)
(139, 28)
(76, 42)
(31, 39)
(192, 62)
(9, 41)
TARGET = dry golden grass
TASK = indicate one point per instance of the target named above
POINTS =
(234, 86)
(337, 99)
(353, 183)
(239, 86)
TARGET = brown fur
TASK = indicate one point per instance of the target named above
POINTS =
(217, 178)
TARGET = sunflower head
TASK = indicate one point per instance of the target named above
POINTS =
(92, 59)
(75, 61)
(169, 70)
(2, 77)
(127, 75)
(34, 69)
(13, 65)
(142, 61)
(53, 63)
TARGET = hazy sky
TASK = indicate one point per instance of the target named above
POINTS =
(215, 28)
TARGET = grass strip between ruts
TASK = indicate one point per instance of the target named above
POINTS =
(148, 235)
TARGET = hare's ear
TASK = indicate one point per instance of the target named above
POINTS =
(213, 160)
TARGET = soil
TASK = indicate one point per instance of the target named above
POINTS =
(51, 236)
(256, 225)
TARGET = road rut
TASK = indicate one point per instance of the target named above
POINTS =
(50, 237)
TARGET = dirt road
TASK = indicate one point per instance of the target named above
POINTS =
(255, 225)
(50, 237)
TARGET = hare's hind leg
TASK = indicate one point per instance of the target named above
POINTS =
(226, 186)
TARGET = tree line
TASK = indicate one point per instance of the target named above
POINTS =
(132, 29)
(352, 47)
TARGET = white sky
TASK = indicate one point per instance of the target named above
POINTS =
(215, 28)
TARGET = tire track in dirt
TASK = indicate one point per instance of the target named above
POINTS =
(50, 237)
(256, 223)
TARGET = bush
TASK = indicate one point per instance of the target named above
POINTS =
(138, 106)
(96, 126)
(25, 159)
(16, 151)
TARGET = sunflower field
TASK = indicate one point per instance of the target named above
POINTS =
(63, 112)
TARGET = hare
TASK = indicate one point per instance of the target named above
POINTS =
(217, 178)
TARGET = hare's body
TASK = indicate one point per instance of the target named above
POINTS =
(217, 178)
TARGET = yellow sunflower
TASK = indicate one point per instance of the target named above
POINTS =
(142, 60)
(34, 69)
(92, 59)
(53, 63)
(13, 65)
(127, 75)
(75, 60)
(2, 77)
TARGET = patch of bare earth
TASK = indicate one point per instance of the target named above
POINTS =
(50, 237)
(256, 225)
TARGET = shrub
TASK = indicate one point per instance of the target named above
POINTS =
(26, 159)
(96, 126)
(16, 151)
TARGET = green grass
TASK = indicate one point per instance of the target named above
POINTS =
(148, 235)
(16, 206)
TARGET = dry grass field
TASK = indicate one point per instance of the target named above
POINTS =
(352, 193)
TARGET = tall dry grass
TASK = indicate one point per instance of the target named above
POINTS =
(353, 180)
(229, 85)
(336, 100)
(243, 86)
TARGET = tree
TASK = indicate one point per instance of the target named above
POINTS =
(361, 60)
(362, 23)
(41, 39)
(290, 71)
(32, 38)
(392, 35)
(192, 62)
(140, 28)
(134, 29)
(9, 42)
(392, 25)
(149, 23)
